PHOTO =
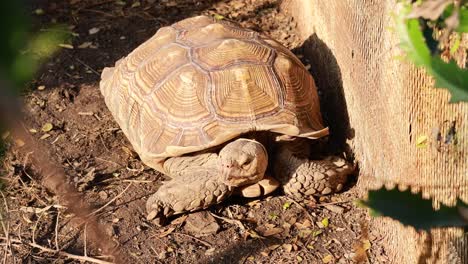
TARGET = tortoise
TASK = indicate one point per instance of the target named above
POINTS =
(221, 110)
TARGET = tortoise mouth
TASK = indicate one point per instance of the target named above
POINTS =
(240, 180)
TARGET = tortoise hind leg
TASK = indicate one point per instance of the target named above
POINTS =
(194, 189)
(302, 177)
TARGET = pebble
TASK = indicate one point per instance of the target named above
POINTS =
(334, 208)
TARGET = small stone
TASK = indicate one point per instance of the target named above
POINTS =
(201, 224)
(334, 208)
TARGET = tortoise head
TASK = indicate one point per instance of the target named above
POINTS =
(243, 161)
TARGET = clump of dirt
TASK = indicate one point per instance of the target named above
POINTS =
(86, 142)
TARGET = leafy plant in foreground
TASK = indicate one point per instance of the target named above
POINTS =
(416, 25)
(411, 209)
(416, 34)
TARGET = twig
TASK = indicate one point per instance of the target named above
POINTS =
(104, 144)
(304, 209)
(61, 253)
(108, 161)
(87, 66)
(56, 231)
(339, 202)
(35, 227)
(194, 238)
(84, 241)
(231, 221)
(6, 230)
(138, 181)
(111, 201)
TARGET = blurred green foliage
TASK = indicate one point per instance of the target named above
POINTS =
(21, 50)
(411, 209)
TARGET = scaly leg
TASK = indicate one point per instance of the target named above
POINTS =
(302, 177)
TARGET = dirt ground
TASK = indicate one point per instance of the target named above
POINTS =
(87, 143)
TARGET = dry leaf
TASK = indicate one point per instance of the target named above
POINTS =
(67, 46)
(287, 247)
(19, 142)
(253, 203)
(304, 233)
(273, 247)
(210, 251)
(47, 127)
(167, 232)
(317, 232)
(45, 136)
(366, 244)
(41, 87)
(299, 258)
(429, 9)
(179, 220)
(136, 4)
(327, 259)
(85, 45)
(421, 141)
(273, 231)
(218, 17)
(93, 30)
(252, 234)
(39, 11)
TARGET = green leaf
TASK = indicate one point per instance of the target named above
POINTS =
(412, 39)
(447, 75)
(325, 222)
(286, 205)
(451, 77)
(411, 209)
(463, 20)
(456, 44)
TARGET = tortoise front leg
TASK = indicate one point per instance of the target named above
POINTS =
(205, 179)
(302, 177)
(193, 189)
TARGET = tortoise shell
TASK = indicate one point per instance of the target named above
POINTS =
(201, 82)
